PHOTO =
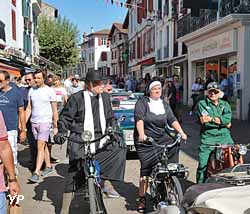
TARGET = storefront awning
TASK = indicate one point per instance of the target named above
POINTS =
(173, 61)
(11, 70)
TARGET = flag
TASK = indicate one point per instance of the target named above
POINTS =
(117, 2)
(112, 1)
(121, 4)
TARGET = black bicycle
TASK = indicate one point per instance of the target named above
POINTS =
(92, 170)
(164, 180)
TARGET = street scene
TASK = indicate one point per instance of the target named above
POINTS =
(125, 106)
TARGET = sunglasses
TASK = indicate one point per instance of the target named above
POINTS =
(213, 91)
(75, 80)
(28, 80)
(1, 81)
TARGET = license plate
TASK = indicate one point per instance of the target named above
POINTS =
(131, 148)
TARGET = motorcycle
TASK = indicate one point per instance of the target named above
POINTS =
(227, 188)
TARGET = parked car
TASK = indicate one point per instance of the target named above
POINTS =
(123, 106)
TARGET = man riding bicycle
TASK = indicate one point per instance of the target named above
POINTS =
(215, 116)
(91, 110)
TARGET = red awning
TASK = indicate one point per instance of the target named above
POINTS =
(11, 70)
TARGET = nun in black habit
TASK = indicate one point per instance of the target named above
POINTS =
(151, 115)
(91, 110)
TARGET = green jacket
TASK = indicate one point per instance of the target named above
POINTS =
(212, 133)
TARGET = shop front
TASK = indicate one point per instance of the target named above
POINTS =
(220, 52)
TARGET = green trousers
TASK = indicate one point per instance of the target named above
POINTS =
(204, 152)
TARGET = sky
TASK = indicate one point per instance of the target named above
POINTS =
(90, 13)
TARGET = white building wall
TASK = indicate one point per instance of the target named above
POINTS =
(5, 17)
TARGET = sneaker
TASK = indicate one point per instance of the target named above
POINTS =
(54, 160)
(35, 178)
(47, 171)
(111, 193)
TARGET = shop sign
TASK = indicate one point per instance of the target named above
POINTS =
(136, 68)
(214, 46)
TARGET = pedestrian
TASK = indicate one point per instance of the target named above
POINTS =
(6, 162)
(151, 115)
(43, 111)
(61, 93)
(224, 86)
(29, 79)
(169, 94)
(215, 117)
(197, 89)
(128, 84)
(108, 86)
(49, 80)
(75, 86)
(90, 110)
(12, 107)
(68, 82)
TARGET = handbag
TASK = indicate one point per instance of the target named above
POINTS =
(14, 209)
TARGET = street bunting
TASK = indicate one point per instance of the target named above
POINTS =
(120, 3)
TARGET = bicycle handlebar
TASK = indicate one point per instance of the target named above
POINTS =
(154, 143)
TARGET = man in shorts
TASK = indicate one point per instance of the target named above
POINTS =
(43, 110)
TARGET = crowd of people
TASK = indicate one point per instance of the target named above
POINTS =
(43, 109)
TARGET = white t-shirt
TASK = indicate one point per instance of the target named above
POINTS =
(60, 93)
(41, 99)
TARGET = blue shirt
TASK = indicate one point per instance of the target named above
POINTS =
(10, 102)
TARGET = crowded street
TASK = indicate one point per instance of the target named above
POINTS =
(125, 107)
(46, 197)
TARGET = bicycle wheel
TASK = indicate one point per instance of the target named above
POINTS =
(92, 195)
(95, 198)
(174, 193)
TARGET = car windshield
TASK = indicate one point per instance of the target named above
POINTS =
(125, 100)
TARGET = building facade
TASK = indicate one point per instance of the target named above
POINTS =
(18, 35)
(119, 50)
(141, 37)
(218, 48)
(95, 52)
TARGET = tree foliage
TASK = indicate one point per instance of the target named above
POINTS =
(58, 41)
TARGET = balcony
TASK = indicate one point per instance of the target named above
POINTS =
(36, 6)
(188, 24)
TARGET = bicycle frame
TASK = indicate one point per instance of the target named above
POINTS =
(164, 183)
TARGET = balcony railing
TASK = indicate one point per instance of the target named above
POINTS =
(188, 24)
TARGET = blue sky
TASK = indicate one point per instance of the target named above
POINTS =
(90, 13)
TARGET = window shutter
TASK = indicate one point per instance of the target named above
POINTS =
(13, 16)
(144, 9)
(99, 41)
(150, 6)
(14, 2)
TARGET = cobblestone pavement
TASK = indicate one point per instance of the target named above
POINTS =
(46, 197)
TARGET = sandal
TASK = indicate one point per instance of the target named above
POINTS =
(141, 204)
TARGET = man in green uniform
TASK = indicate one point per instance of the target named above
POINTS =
(215, 116)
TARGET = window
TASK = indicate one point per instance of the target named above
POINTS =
(104, 41)
(13, 16)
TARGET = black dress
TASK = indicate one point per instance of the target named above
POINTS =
(154, 126)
